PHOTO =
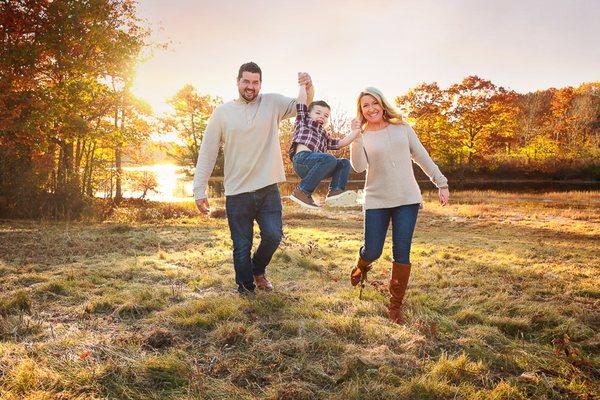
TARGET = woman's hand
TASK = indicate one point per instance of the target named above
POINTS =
(444, 195)
(356, 127)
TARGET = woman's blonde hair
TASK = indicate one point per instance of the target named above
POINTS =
(390, 113)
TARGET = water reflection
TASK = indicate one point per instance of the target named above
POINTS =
(216, 187)
(175, 183)
(172, 183)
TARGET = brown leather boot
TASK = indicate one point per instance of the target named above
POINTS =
(398, 284)
(360, 271)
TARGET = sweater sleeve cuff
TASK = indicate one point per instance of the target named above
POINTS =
(439, 180)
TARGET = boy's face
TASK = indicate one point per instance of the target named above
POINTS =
(320, 114)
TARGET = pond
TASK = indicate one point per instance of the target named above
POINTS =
(175, 183)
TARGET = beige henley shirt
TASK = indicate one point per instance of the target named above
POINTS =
(249, 132)
(387, 155)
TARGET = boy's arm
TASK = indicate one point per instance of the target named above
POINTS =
(302, 95)
(349, 138)
(304, 79)
(310, 92)
(301, 105)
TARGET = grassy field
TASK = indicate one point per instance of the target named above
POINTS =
(503, 303)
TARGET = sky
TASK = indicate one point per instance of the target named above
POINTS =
(524, 45)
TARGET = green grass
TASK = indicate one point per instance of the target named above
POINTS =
(502, 304)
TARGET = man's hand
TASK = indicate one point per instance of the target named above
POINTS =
(203, 206)
(304, 79)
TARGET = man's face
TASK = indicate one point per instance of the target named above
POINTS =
(249, 85)
(320, 114)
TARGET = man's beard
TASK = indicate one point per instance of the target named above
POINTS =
(245, 95)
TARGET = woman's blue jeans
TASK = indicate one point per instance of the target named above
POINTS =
(377, 221)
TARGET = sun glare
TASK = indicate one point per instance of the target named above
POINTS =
(172, 184)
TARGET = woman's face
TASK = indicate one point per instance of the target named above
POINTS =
(371, 109)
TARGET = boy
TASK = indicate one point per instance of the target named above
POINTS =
(310, 160)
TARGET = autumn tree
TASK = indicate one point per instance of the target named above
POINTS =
(481, 113)
(188, 120)
(57, 59)
(142, 181)
(339, 126)
(286, 133)
(426, 106)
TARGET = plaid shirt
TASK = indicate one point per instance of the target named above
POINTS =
(310, 133)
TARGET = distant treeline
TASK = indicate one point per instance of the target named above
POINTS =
(475, 129)
(472, 129)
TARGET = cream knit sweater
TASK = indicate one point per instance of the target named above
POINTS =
(387, 155)
(249, 132)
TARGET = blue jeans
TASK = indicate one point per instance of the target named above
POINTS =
(404, 219)
(264, 206)
(312, 167)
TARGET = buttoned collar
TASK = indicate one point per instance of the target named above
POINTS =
(243, 101)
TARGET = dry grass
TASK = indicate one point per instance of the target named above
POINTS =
(502, 304)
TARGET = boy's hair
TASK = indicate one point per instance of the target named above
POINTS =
(318, 103)
(249, 67)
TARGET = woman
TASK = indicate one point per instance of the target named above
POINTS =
(386, 149)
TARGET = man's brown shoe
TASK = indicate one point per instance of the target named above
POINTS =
(263, 283)
(305, 200)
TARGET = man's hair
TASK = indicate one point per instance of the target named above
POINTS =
(318, 103)
(250, 67)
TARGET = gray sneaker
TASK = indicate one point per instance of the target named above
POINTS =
(305, 200)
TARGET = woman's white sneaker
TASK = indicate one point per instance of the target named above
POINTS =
(341, 198)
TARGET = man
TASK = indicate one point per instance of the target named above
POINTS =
(249, 129)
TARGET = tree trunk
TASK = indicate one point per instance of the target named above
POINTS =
(89, 165)
(118, 158)
(118, 170)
